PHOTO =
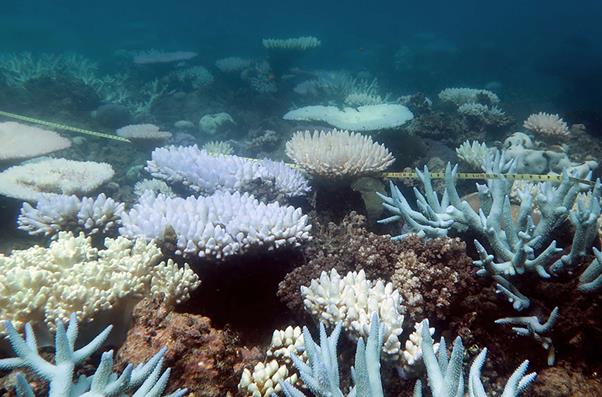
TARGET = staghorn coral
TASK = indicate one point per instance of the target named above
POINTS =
(144, 379)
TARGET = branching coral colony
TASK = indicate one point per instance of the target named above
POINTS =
(520, 245)
(143, 380)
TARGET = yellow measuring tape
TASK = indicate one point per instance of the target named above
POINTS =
(484, 175)
(386, 175)
(63, 127)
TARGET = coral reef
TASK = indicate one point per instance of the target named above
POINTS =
(216, 226)
(145, 379)
(337, 154)
(205, 360)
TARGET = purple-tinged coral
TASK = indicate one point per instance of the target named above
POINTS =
(207, 174)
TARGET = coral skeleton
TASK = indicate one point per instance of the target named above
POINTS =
(142, 380)
(531, 326)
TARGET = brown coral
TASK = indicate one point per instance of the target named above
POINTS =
(430, 274)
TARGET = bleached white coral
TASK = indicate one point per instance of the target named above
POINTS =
(207, 174)
(479, 110)
(41, 285)
(56, 212)
(154, 185)
(546, 124)
(143, 132)
(20, 141)
(337, 153)
(363, 118)
(265, 379)
(29, 181)
(216, 226)
(218, 147)
(352, 300)
(232, 64)
(363, 99)
(461, 96)
(473, 153)
(411, 357)
(286, 342)
(297, 43)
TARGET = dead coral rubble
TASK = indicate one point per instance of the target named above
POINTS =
(204, 359)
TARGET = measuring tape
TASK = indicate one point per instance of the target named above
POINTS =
(386, 175)
(484, 175)
(63, 127)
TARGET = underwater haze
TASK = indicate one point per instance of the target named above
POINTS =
(316, 198)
